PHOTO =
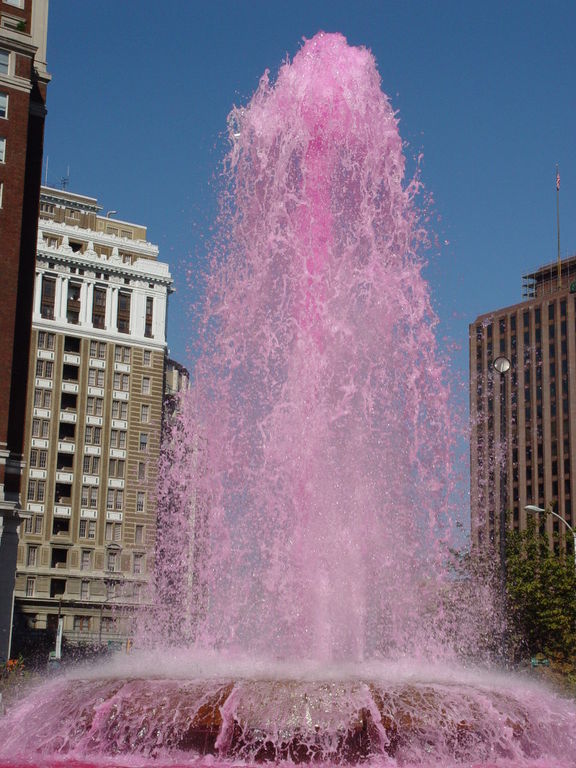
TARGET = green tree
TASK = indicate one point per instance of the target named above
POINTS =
(541, 594)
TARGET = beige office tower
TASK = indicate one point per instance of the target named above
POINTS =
(523, 449)
(93, 427)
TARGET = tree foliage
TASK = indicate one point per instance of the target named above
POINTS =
(541, 594)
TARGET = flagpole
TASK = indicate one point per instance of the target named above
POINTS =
(558, 225)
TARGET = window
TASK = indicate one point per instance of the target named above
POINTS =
(89, 497)
(44, 369)
(147, 358)
(73, 306)
(47, 298)
(40, 428)
(113, 532)
(138, 563)
(122, 355)
(111, 561)
(45, 340)
(85, 590)
(30, 586)
(99, 307)
(4, 62)
(93, 435)
(116, 468)
(87, 529)
(123, 320)
(118, 438)
(36, 490)
(28, 525)
(95, 377)
(49, 209)
(145, 414)
(38, 522)
(139, 534)
(42, 398)
(143, 444)
(145, 385)
(2, 149)
(141, 470)
(114, 499)
(122, 382)
(86, 560)
(82, 623)
(3, 104)
(98, 349)
(91, 465)
(140, 501)
(72, 344)
(1, 193)
(120, 409)
(109, 624)
(32, 556)
(38, 458)
(94, 406)
(148, 318)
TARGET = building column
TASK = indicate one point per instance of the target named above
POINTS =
(112, 310)
(61, 299)
(86, 298)
(37, 294)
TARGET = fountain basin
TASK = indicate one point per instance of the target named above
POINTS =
(299, 721)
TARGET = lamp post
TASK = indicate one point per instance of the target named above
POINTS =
(502, 365)
(550, 511)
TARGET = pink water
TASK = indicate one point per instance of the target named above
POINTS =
(321, 424)
(309, 497)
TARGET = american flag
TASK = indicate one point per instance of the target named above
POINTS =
(557, 179)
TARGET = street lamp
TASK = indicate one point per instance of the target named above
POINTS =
(501, 365)
(550, 511)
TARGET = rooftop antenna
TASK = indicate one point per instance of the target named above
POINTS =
(65, 180)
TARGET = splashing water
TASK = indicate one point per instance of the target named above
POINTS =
(321, 407)
(308, 490)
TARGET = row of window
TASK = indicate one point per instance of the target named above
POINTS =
(46, 341)
(96, 377)
(112, 531)
(92, 434)
(73, 306)
(89, 496)
(60, 557)
(90, 464)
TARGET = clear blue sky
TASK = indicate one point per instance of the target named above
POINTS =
(485, 90)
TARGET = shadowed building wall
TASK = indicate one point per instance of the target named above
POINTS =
(23, 82)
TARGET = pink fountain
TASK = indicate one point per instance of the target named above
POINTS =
(305, 611)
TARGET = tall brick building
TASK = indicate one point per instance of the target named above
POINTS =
(23, 82)
(523, 441)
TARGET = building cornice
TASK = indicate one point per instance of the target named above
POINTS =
(106, 239)
(144, 270)
(77, 202)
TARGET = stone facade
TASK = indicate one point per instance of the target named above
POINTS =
(96, 384)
